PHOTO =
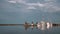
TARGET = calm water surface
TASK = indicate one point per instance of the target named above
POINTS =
(29, 30)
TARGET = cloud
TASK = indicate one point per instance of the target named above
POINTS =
(12, 1)
(31, 7)
(35, 4)
(21, 1)
(48, 0)
(47, 5)
(25, 2)
(16, 1)
(52, 7)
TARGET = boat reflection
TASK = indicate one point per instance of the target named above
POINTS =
(42, 25)
(37, 27)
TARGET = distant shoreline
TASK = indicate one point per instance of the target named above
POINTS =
(10, 24)
(23, 24)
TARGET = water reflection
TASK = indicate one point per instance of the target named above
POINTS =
(28, 29)
(37, 27)
(40, 26)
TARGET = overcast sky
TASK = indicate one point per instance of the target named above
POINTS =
(19, 11)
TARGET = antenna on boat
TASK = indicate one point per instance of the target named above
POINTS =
(43, 18)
